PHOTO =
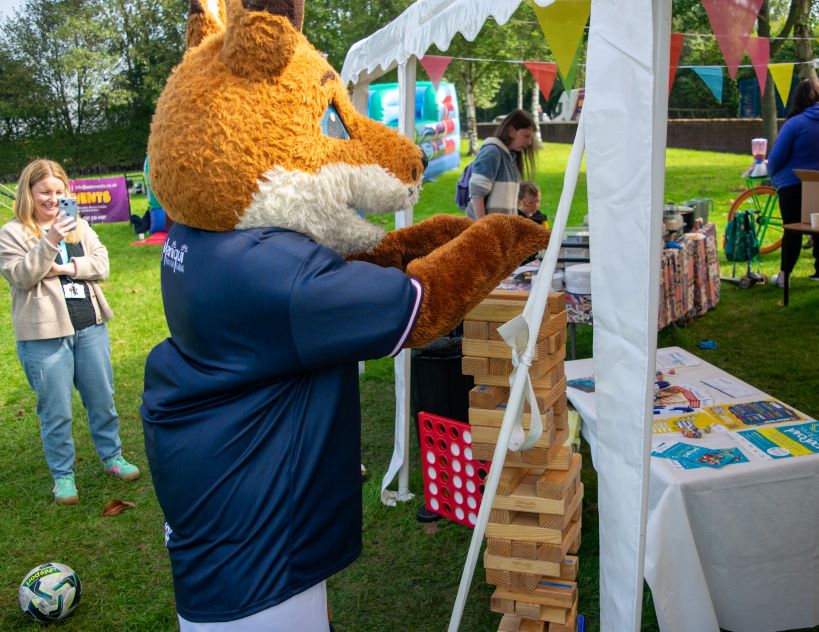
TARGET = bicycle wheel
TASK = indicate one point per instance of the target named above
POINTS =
(764, 202)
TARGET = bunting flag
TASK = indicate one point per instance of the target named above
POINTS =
(676, 49)
(563, 24)
(759, 50)
(544, 74)
(568, 82)
(435, 65)
(712, 77)
(732, 22)
(782, 75)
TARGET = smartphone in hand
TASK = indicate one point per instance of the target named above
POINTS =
(69, 206)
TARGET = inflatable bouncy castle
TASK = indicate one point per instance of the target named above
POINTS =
(437, 126)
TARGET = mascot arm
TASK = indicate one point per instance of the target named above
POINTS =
(460, 274)
(400, 247)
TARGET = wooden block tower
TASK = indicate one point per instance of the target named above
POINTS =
(533, 532)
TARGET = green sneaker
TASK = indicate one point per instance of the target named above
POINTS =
(120, 468)
(65, 491)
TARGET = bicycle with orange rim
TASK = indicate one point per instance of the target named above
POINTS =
(763, 201)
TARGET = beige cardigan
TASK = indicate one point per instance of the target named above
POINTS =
(38, 307)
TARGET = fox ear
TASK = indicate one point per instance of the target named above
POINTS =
(261, 36)
(293, 10)
(205, 17)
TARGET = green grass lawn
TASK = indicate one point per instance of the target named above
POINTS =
(407, 576)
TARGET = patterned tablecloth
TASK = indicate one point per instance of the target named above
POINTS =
(689, 282)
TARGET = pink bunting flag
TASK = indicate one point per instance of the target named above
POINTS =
(676, 49)
(435, 65)
(732, 22)
(544, 74)
(759, 50)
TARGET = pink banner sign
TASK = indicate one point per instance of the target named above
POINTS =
(732, 22)
(102, 200)
(759, 50)
(676, 49)
(544, 74)
(435, 65)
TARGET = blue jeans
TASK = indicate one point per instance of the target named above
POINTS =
(51, 367)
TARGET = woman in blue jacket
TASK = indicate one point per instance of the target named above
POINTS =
(796, 147)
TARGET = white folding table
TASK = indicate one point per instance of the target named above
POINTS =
(735, 547)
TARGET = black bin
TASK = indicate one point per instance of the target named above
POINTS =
(437, 384)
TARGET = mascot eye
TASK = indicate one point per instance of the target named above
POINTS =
(332, 125)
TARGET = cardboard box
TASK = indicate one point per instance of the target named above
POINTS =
(810, 192)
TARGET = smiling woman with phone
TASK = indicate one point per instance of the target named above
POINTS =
(52, 261)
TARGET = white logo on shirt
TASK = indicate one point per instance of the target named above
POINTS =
(168, 533)
(173, 257)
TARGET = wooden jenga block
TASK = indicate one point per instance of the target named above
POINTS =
(562, 458)
(556, 457)
(498, 577)
(557, 484)
(546, 381)
(551, 398)
(528, 602)
(502, 516)
(494, 418)
(557, 552)
(523, 498)
(500, 366)
(556, 301)
(548, 592)
(529, 625)
(569, 567)
(520, 564)
(487, 396)
(524, 581)
(504, 606)
(499, 348)
(561, 521)
(523, 549)
(570, 624)
(501, 548)
(503, 308)
(490, 434)
(476, 329)
(509, 479)
(525, 527)
(474, 366)
(526, 610)
(561, 418)
(509, 623)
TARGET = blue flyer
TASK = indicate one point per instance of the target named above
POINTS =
(784, 442)
(690, 457)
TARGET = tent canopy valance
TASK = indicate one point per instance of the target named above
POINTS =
(422, 25)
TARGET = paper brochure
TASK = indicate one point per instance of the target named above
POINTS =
(784, 441)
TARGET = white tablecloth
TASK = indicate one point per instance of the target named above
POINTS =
(736, 547)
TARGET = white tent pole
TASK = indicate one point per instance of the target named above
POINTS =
(533, 312)
(406, 126)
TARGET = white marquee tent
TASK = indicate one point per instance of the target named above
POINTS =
(623, 131)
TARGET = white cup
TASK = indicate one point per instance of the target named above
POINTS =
(814, 221)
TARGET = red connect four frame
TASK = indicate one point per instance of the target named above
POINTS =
(453, 480)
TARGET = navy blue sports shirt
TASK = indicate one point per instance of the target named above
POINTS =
(251, 411)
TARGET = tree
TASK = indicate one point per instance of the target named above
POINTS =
(64, 51)
(149, 41)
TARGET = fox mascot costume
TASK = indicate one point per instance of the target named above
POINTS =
(274, 288)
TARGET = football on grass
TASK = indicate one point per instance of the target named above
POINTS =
(50, 592)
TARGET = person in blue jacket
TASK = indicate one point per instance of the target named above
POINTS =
(796, 147)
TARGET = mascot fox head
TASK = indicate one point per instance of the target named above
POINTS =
(255, 129)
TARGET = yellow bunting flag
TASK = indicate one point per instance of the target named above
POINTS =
(783, 77)
(562, 24)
